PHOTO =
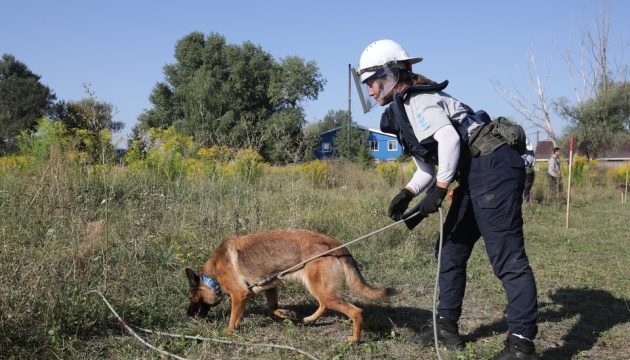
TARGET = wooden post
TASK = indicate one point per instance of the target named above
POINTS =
(349, 106)
(625, 191)
(569, 184)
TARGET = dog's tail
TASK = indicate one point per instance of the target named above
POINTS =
(359, 286)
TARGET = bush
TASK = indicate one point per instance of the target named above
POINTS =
(390, 172)
(317, 172)
(619, 175)
(247, 166)
(581, 170)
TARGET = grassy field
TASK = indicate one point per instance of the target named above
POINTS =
(68, 230)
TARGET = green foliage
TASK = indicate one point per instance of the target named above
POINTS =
(390, 172)
(600, 124)
(38, 146)
(619, 175)
(234, 95)
(317, 171)
(23, 100)
(294, 81)
(332, 120)
(582, 170)
(13, 163)
(352, 144)
(129, 231)
(87, 114)
(247, 166)
(164, 155)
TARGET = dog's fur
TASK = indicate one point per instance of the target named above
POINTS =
(242, 261)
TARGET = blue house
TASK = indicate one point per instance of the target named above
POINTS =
(384, 146)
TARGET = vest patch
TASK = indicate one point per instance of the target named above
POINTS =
(422, 121)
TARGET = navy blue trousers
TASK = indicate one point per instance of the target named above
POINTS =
(488, 204)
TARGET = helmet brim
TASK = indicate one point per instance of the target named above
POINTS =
(414, 60)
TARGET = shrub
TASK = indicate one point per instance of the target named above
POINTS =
(246, 166)
(38, 145)
(317, 171)
(220, 153)
(582, 170)
(618, 174)
(12, 164)
(390, 172)
(165, 154)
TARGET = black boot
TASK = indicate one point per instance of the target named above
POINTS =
(517, 348)
(448, 335)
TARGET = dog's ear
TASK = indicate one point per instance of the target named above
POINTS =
(193, 278)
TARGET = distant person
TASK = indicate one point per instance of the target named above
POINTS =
(555, 176)
(529, 158)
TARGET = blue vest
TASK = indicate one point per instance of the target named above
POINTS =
(395, 121)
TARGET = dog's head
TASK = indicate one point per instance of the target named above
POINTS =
(204, 293)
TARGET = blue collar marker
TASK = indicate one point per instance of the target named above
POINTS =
(206, 280)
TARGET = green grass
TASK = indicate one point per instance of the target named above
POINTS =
(66, 230)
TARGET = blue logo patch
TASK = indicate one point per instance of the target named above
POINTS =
(422, 121)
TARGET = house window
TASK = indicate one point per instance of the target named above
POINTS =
(374, 145)
(392, 145)
(326, 147)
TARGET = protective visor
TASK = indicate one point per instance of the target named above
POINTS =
(387, 77)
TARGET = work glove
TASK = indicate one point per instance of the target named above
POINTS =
(399, 204)
(412, 220)
(432, 201)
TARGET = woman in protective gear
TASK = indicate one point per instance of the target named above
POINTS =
(439, 131)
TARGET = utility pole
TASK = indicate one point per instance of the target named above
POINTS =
(349, 105)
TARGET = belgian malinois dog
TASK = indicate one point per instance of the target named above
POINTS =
(240, 262)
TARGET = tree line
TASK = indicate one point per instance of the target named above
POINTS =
(241, 97)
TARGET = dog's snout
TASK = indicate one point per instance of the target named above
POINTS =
(198, 310)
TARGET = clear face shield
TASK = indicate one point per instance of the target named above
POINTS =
(386, 76)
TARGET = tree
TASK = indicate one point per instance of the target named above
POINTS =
(91, 120)
(223, 94)
(286, 140)
(600, 124)
(293, 81)
(357, 150)
(536, 112)
(599, 121)
(23, 101)
(588, 75)
(88, 113)
(334, 119)
(591, 72)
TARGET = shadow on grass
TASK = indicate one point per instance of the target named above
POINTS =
(596, 311)
(378, 319)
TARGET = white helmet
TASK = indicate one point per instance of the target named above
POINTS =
(528, 145)
(380, 55)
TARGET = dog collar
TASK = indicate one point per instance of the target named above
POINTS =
(208, 281)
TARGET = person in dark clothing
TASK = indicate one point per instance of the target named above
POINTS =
(434, 128)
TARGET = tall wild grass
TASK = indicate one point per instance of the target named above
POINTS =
(129, 230)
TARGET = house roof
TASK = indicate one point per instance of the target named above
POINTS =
(373, 130)
(544, 149)
(621, 153)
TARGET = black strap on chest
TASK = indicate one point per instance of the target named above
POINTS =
(395, 121)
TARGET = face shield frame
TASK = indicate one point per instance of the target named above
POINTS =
(386, 75)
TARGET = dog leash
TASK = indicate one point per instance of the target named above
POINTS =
(280, 274)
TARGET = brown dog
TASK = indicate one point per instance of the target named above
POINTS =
(240, 262)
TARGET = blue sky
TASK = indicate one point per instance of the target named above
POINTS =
(120, 47)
